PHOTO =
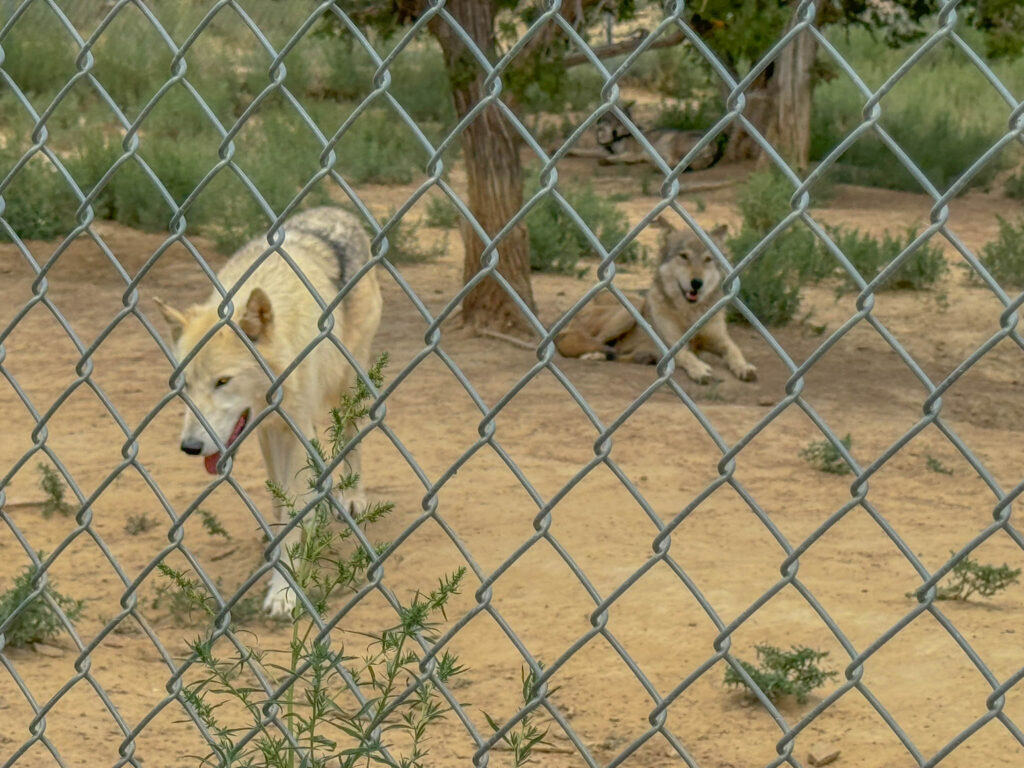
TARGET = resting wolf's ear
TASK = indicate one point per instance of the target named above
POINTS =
(258, 315)
(664, 224)
(719, 232)
(174, 318)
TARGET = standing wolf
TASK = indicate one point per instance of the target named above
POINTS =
(685, 281)
(279, 316)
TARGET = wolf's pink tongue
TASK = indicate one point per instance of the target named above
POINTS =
(211, 460)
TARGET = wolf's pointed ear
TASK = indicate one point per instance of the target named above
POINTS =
(258, 315)
(719, 232)
(174, 318)
(663, 223)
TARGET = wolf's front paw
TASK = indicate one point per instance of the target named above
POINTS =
(353, 500)
(744, 371)
(699, 371)
(280, 597)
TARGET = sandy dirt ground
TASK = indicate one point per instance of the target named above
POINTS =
(921, 676)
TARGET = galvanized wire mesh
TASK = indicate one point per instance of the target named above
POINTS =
(673, 21)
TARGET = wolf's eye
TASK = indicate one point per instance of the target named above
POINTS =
(222, 381)
(684, 256)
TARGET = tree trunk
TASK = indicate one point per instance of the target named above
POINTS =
(790, 131)
(491, 151)
(779, 106)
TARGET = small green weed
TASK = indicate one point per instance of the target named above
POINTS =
(1004, 256)
(934, 465)
(825, 457)
(180, 595)
(212, 524)
(795, 672)
(37, 622)
(970, 577)
(136, 524)
(53, 486)
(526, 735)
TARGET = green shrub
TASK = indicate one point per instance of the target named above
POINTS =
(37, 622)
(969, 577)
(1004, 256)
(378, 148)
(52, 485)
(557, 244)
(39, 56)
(39, 204)
(770, 286)
(825, 457)
(870, 255)
(783, 673)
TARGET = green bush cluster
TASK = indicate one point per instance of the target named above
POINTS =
(179, 140)
(942, 113)
(770, 285)
(557, 244)
(1004, 256)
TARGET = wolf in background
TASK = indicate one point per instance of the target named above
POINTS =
(685, 281)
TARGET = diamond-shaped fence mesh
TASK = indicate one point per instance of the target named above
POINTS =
(627, 537)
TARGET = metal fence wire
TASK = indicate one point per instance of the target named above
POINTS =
(37, 712)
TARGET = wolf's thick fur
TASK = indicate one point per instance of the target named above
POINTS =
(279, 315)
(685, 281)
(621, 147)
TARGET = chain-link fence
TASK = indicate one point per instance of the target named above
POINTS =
(619, 597)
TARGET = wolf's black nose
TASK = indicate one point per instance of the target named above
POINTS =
(696, 283)
(192, 447)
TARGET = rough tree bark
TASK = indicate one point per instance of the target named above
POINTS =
(491, 151)
(779, 106)
(790, 129)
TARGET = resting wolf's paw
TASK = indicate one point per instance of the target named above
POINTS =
(280, 598)
(699, 371)
(744, 371)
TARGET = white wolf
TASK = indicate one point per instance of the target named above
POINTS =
(279, 316)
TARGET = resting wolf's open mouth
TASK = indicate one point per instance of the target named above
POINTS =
(211, 460)
(692, 296)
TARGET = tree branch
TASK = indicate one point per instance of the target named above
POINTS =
(625, 46)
